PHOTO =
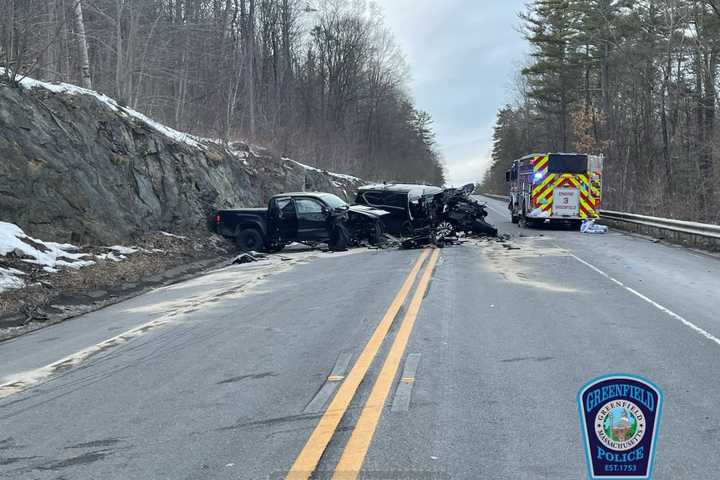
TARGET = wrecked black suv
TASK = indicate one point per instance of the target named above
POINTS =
(309, 218)
(409, 207)
(427, 212)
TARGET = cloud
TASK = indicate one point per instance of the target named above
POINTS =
(463, 55)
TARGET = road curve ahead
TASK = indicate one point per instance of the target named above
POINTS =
(461, 363)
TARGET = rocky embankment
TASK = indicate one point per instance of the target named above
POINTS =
(83, 179)
(77, 167)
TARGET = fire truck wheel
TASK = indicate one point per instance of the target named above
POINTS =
(515, 218)
(523, 220)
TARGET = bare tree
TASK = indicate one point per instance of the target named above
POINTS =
(85, 76)
(326, 85)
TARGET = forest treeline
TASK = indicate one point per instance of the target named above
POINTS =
(319, 81)
(634, 80)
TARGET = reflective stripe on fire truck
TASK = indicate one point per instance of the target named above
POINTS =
(542, 194)
(541, 164)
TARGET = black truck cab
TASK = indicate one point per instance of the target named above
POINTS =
(304, 217)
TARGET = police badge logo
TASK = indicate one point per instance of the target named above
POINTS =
(620, 416)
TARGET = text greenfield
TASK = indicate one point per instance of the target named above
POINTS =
(606, 393)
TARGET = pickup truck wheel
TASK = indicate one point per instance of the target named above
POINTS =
(407, 230)
(249, 240)
(339, 239)
(376, 234)
(445, 229)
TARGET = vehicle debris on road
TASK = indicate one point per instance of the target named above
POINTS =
(424, 215)
(456, 211)
(245, 258)
(589, 226)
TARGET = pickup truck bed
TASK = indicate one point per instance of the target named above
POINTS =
(298, 217)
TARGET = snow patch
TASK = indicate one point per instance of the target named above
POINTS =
(171, 235)
(348, 178)
(49, 255)
(9, 279)
(69, 89)
(111, 256)
(123, 250)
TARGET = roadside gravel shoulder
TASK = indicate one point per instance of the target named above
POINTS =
(50, 298)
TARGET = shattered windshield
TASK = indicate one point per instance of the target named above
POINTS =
(333, 201)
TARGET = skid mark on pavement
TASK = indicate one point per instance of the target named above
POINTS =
(84, 459)
(12, 460)
(254, 376)
(527, 359)
(108, 442)
(270, 422)
(10, 443)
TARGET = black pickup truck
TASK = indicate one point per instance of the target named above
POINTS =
(309, 218)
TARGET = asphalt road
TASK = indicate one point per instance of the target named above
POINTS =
(468, 370)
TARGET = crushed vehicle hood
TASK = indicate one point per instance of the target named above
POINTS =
(368, 211)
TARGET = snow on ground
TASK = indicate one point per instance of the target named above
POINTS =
(123, 250)
(349, 178)
(47, 254)
(50, 256)
(66, 88)
(111, 257)
(10, 278)
(172, 235)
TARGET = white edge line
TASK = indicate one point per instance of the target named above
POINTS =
(662, 308)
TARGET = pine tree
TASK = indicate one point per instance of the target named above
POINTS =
(555, 75)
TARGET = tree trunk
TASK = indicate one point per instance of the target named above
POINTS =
(708, 160)
(251, 66)
(65, 61)
(85, 77)
(119, 51)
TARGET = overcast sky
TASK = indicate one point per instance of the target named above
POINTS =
(463, 55)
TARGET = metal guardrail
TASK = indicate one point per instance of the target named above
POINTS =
(678, 226)
(496, 197)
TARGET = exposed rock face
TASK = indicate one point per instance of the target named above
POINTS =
(73, 169)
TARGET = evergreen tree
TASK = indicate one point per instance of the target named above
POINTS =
(555, 76)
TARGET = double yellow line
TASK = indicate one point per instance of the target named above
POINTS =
(353, 456)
